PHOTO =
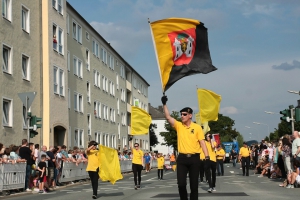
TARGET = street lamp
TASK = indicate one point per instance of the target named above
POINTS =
(295, 92)
(258, 123)
(272, 113)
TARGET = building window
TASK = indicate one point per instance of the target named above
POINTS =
(97, 109)
(58, 5)
(7, 112)
(69, 98)
(111, 62)
(123, 95)
(6, 9)
(98, 138)
(88, 92)
(78, 102)
(79, 138)
(87, 35)
(68, 24)
(58, 39)
(58, 81)
(24, 117)
(6, 63)
(87, 58)
(77, 32)
(68, 60)
(104, 55)
(122, 71)
(89, 123)
(25, 19)
(25, 67)
(77, 67)
(97, 78)
(117, 79)
(118, 106)
(96, 48)
(105, 83)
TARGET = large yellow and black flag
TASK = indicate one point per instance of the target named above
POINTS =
(181, 47)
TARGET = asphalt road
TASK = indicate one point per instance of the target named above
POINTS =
(231, 186)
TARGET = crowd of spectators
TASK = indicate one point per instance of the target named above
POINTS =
(32, 154)
(278, 160)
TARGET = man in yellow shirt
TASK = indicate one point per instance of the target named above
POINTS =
(190, 139)
(244, 157)
(93, 166)
(220, 153)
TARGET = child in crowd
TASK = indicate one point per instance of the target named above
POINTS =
(276, 172)
(160, 166)
(42, 173)
(294, 176)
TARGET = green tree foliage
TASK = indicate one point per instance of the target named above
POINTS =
(224, 126)
(170, 137)
(240, 140)
(153, 137)
(284, 128)
(267, 139)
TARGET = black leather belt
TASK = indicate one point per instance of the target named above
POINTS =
(190, 154)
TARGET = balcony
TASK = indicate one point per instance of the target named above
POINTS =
(129, 130)
(128, 85)
(128, 108)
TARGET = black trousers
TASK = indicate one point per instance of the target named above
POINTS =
(160, 173)
(188, 165)
(94, 176)
(245, 165)
(201, 168)
(137, 170)
(210, 173)
(220, 167)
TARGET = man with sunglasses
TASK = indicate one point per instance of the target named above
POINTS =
(190, 140)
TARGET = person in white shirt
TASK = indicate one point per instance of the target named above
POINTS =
(271, 153)
(296, 146)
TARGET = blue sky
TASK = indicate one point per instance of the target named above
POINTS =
(254, 44)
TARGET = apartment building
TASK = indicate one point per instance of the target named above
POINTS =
(84, 88)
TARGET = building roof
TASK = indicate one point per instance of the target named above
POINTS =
(156, 113)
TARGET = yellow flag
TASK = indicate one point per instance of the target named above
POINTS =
(204, 125)
(140, 121)
(109, 165)
(209, 105)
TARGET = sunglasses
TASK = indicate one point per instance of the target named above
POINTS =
(136, 146)
(184, 114)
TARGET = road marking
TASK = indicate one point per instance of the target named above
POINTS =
(264, 182)
(67, 190)
(165, 186)
(238, 181)
(231, 172)
(73, 192)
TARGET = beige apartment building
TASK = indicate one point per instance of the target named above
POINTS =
(84, 88)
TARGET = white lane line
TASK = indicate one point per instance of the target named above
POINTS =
(73, 192)
(148, 187)
(238, 181)
(264, 182)
(165, 186)
(231, 172)
(109, 190)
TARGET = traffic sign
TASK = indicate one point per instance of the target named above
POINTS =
(29, 96)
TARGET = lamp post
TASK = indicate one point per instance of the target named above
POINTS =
(258, 123)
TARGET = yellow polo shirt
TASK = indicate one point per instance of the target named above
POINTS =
(93, 160)
(137, 156)
(188, 137)
(244, 152)
(220, 154)
(211, 151)
(160, 162)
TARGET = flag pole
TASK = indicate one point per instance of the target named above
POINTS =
(154, 45)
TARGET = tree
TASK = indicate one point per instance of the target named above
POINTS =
(170, 137)
(240, 140)
(153, 137)
(224, 126)
(267, 139)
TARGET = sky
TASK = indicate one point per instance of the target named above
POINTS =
(254, 44)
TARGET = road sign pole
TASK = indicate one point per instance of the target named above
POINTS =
(292, 118)
(28, 121)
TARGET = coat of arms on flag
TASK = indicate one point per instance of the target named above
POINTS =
(181, 47)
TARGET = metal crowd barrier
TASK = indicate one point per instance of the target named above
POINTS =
(12, 176)
(72, 172)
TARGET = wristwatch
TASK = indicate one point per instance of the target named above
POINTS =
(207, 157)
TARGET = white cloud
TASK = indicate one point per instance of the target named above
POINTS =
(229, 110)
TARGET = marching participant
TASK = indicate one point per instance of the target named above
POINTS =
(210, 168)
(137, 164)
(244, 157)
(190, 139)
(93, 166)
